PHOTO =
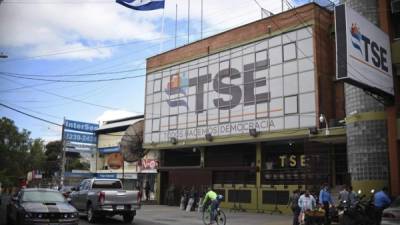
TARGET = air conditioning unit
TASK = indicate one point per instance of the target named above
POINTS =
(395, 5)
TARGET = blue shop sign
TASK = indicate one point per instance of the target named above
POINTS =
(106, 175)
(80, 126)
(108, 150)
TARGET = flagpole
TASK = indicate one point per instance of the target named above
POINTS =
(162, 30)
(176, 22)
(188, 31)
(201, 21)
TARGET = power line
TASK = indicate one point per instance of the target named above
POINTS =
(72, 81)
(26, 114)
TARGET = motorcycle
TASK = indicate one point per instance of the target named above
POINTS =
(358, 212)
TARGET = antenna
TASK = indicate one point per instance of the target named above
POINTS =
(131, 143)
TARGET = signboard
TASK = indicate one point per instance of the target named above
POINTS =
(106, 175)
(149, 164)
(80, 137)
(268, 85)
(130, 176)
(362, 52)
(108, 150)
(80, 126)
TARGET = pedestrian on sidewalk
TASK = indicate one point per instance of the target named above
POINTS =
(147, 189)
(294, 205)
(325, 199)
(306, 203)
(381, 202)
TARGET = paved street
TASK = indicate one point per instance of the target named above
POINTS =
(166, 215)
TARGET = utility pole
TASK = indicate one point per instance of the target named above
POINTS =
(63, 159)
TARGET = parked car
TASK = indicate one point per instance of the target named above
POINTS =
(33, 206)
(391, 215)
(105, 197)
(66, 190)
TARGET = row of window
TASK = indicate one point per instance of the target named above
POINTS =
(257, 62)
(303, 38)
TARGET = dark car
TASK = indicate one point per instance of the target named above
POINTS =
(40, 206)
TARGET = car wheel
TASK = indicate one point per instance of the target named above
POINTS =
(90, 214)
(128, 218)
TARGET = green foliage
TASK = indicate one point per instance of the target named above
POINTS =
(15, 160)
(53, 157)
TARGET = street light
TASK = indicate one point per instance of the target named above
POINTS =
(322, 119)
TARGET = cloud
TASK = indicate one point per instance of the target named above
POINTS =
(47, 27)
(113, 115)
(40, 29)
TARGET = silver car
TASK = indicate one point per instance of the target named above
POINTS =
(391, 215)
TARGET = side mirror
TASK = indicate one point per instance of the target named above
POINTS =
(69, 200)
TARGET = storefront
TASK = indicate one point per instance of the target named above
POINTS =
(241, 113)
(115, 161)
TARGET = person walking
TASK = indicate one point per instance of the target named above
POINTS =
(325, 199)
(343, 194)
(147, 189)
(381, 202)
(306, 203)
(294, 205)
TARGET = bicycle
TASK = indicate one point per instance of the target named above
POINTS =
(220, 219)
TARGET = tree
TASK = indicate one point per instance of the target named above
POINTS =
(53, 157)
(37, 155)
(14, 146)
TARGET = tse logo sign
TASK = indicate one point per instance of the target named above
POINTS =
(369, 48)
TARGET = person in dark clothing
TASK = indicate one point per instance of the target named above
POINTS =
(381, 202)
(147, 189)
(294, 205)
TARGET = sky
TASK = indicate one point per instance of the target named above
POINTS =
(61, 51)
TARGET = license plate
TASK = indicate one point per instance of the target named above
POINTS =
(120, 207)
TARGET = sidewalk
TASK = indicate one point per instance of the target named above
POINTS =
(173, 215)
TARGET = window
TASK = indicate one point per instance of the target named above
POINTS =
(289, 51)
(156, 125)
(275, 55)
(173, 121)
(291, 105)
(261, 60)
(157, 85)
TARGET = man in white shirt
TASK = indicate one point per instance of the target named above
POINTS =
(307, 201)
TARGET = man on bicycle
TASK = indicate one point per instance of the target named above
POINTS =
(211, 199)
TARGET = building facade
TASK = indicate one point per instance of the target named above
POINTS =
(255, 112)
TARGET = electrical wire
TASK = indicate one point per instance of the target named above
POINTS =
(27, 114)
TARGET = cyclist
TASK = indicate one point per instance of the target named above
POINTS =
(213, 199)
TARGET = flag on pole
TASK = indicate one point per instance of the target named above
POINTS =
(143, 5)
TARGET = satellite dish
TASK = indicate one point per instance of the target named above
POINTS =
(131, 142)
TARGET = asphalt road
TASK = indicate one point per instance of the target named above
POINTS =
(167, 215)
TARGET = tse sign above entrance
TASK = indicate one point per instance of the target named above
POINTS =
(363, 52)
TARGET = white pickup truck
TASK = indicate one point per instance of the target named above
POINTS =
(105, 197)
